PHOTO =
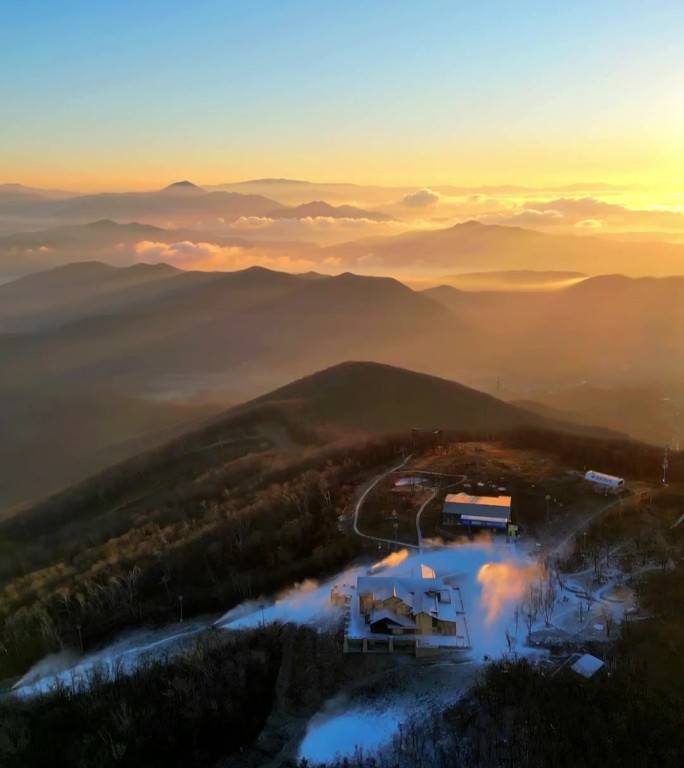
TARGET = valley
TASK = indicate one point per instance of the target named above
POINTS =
(169, 347)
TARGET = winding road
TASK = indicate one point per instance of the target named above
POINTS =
(362, 498)
(584, 524)
(420, 512)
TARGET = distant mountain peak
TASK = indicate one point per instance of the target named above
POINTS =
(470, 224)
(318, 208)
(182, 186)
(108, 224)
(101, 224)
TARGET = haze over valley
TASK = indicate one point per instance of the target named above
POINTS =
(174, 340)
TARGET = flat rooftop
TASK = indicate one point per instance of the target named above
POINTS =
(587, 665)
(593, 473)
(485, 501)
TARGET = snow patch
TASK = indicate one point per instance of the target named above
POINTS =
(331, 736)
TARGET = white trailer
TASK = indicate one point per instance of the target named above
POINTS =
(603, 482)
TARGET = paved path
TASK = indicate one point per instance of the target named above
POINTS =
(433, 494)
(420, 512)
(570, 536)
(362, 499)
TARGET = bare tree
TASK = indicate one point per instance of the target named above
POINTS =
(530, 608)
(644, 544)
(560, 578)
(511, 642)
(516, 619)
(607, 547)
(608, 618)
(628, 564)
(662, 552)
(130, 584)
(166, 580)
(547, 603)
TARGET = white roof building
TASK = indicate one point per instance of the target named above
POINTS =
(477, 511)
(418, 612)
(600, 478)
(587, 665)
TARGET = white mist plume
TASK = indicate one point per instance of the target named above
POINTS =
(492, 577)
(503, 585)
(393, 559)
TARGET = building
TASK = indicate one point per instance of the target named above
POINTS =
(420, 614)
(477, 511)
(587, 665)
(603, 482)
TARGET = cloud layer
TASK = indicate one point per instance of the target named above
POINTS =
(421, 198)
(209, 256)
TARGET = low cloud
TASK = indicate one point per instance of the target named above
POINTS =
(41, 249)
(209, 256)
(583, 213)
(421, 198)
(575, 210)
(308, 223)
(528, 218)
(321, 229)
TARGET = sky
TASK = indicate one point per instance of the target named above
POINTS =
(128, 94)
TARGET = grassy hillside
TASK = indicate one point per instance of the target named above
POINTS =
(382, 398)
(241, 508)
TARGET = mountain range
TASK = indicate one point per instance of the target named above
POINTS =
(472, 246)
(443, 255)
(49, 441)
(155, 342)
(142, 324)
(181, 204)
